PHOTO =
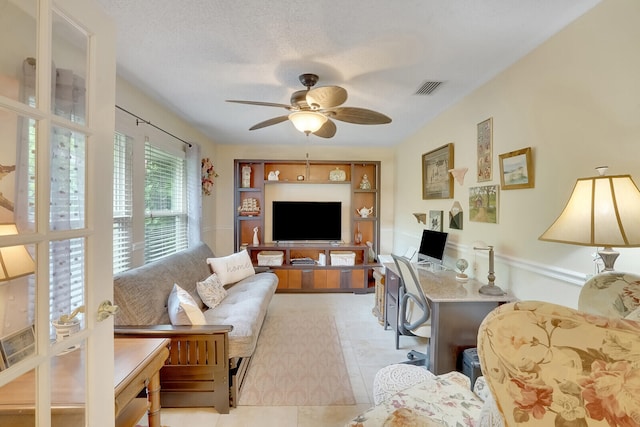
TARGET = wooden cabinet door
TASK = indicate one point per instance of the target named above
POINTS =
(283, 278)
(295, 279)
(320, 279)
(357, 278)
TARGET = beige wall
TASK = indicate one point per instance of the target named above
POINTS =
(575, 101)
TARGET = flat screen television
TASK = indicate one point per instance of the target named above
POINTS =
(306, 221)
(432, 246)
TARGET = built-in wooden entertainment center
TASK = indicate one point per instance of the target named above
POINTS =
(310, 180)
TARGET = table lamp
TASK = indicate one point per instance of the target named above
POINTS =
(602, 211)
(490, 288)
(15, 261)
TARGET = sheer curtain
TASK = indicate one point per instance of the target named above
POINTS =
(67, 185)
(194, 193)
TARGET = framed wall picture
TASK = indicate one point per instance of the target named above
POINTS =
(437, 183)
(483, 204)
(435, 220)
(516, 169)
(485, 150)
(17, 346)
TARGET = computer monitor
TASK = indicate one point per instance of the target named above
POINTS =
(432, 247)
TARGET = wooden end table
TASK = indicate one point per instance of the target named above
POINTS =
(137, 363)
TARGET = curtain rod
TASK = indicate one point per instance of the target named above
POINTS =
(141, 120)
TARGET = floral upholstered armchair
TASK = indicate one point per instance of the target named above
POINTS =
(548, 365)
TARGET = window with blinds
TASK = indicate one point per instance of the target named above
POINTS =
(166, 217)
(122, 202)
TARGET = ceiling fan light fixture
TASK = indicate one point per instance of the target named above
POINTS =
(307, 121)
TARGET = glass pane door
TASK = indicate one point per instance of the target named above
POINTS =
(56, 358)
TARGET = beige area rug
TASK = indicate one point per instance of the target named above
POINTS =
(298, 362)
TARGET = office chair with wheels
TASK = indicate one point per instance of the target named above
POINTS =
(414, 312)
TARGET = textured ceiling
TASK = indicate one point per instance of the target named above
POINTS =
(191, 55)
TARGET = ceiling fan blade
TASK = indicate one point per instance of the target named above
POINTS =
(270, 122)
(327, 130)
(264, 104)
(359, 116)
(326, 97)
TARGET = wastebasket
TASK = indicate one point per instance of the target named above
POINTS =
(471, 364)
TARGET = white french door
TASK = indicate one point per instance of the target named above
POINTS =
(57, 98)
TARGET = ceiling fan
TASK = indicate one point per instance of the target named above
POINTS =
(312, 110)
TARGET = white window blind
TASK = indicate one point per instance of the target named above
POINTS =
(122, 202)
(166, 219)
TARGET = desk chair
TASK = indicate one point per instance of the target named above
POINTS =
(414, 312)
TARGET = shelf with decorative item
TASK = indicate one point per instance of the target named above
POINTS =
(275, 180)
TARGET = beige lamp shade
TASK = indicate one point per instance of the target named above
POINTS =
(307, 121)
(15, 261)
(602, 211)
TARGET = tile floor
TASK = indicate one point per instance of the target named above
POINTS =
(367, 347)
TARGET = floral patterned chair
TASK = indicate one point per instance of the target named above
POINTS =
(547, 365)
(410, 396)
(612, 293)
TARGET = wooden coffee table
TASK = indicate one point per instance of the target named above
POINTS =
(137, 366)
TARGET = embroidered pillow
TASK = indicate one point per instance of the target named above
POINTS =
(183, 310)
(232, 268)
(211, 291)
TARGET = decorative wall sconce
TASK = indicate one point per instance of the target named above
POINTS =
(459, 174)
(421, 218)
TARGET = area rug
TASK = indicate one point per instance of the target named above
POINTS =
(298, 361)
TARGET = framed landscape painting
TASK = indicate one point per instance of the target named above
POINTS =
(483, 204)
(516, 169)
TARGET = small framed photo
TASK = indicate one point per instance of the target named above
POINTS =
(516, 169)
(435, 220)
(485, 150)
(17, 346)
(437, 182)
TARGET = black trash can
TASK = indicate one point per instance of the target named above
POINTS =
(471, 364)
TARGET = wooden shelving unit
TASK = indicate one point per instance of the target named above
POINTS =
(316, 278)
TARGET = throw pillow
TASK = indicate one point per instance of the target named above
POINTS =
(232, 268)
(183, 309)
(211, 291)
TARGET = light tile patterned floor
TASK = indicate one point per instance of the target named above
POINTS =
(367, 347)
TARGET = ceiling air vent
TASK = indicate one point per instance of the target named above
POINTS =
(428, 88)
